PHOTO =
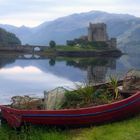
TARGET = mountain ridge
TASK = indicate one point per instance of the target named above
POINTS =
(125, 27)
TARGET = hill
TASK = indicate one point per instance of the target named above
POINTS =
(7, 38)
(123, 26)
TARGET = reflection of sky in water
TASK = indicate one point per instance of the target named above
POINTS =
(32, 77)
(28, 80)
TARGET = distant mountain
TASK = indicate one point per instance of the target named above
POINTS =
(123, 26)
(8, 27)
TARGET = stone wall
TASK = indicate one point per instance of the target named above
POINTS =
(112, 43)
(97, 32)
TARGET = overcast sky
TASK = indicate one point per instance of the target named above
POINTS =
(34, 12)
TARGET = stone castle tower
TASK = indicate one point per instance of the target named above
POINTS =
(97, 32)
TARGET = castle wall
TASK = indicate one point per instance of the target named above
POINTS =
(112, 43)
(97, 32)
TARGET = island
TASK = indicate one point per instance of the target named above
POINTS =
(96, 43)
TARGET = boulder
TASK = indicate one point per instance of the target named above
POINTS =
(53, 99)
(131, 81)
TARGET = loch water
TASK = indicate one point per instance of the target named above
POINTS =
(31, 75)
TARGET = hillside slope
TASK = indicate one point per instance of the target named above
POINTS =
(7, 38)
(125, 27)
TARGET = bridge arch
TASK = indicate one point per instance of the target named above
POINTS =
(36, 49)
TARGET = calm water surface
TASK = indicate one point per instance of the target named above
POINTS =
(26, 76)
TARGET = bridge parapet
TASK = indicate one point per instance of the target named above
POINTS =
(23, 48)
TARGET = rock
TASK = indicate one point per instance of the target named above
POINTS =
(54, 98)
(132, 81)
(19, 101)
(26, 102)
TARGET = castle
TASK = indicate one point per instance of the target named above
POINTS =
(97, 32)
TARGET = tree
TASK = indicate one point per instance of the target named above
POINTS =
(7, 38)
(52, 44)
(52, 62)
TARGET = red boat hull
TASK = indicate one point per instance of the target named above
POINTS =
(74, 117)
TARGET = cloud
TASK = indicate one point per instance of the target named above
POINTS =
(32, 74)
(33, 12)
(20, 70)
(28, 80)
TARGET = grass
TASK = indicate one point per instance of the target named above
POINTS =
(124, 130)
(77, 48)
(74, 48)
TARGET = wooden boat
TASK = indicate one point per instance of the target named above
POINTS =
(74, 117)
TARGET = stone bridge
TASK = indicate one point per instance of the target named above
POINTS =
(24, 48)
(31, 56)
(34, 48)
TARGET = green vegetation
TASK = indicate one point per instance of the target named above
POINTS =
(7, 38)
(77, 48)
(124, 130)
(80, 45)
(79, 98)
(83, 62)
(84, 43)
(52, 44)
(113, 85)
(87, 95)
(85, 48)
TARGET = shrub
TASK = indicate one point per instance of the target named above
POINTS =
(89, 95)
(52, 44)
(113, 85)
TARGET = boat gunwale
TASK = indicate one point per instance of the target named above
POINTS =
(20, 111)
